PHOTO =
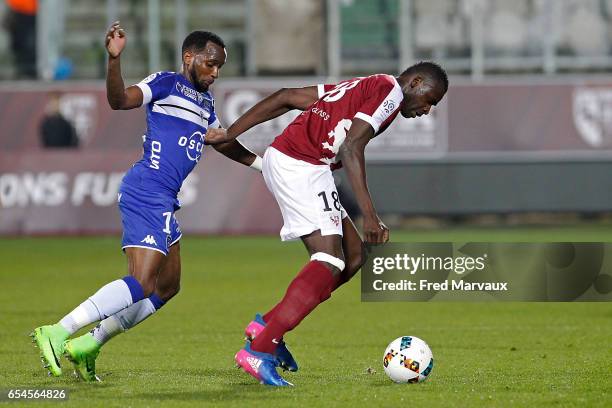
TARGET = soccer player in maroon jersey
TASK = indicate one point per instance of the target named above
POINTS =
(336, 124)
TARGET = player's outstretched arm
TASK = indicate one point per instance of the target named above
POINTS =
(236, 151)
(352, 153)
(280, 102)
(118, 97)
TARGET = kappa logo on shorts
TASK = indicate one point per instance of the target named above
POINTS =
(149, 240)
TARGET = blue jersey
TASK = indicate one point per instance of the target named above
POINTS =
(177, 119)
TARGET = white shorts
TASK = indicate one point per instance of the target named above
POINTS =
(306, 194)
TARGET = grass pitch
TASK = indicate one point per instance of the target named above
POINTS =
(486, 354)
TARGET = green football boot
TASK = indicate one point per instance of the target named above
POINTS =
(82, 352)
(50, 341)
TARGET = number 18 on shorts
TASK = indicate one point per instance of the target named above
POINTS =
(306, 194)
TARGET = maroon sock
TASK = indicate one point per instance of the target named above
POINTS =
(268, 316)
(343, 278)
(311, 286)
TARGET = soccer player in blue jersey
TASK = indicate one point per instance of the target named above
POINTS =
(180, 110)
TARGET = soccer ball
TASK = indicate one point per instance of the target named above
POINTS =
(408, 359)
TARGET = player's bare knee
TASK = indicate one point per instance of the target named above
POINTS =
(358, 259)
(148, 289)
(166, 295)
(176, 289)
(353, 266)
(334, 263)
(147, 283)
(170, 292)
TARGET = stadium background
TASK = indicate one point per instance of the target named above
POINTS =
(526, 126)
(520, 150)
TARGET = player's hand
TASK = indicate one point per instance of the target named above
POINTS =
(385, 231)
(115, 40)
(216, 136)
(374, 230)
